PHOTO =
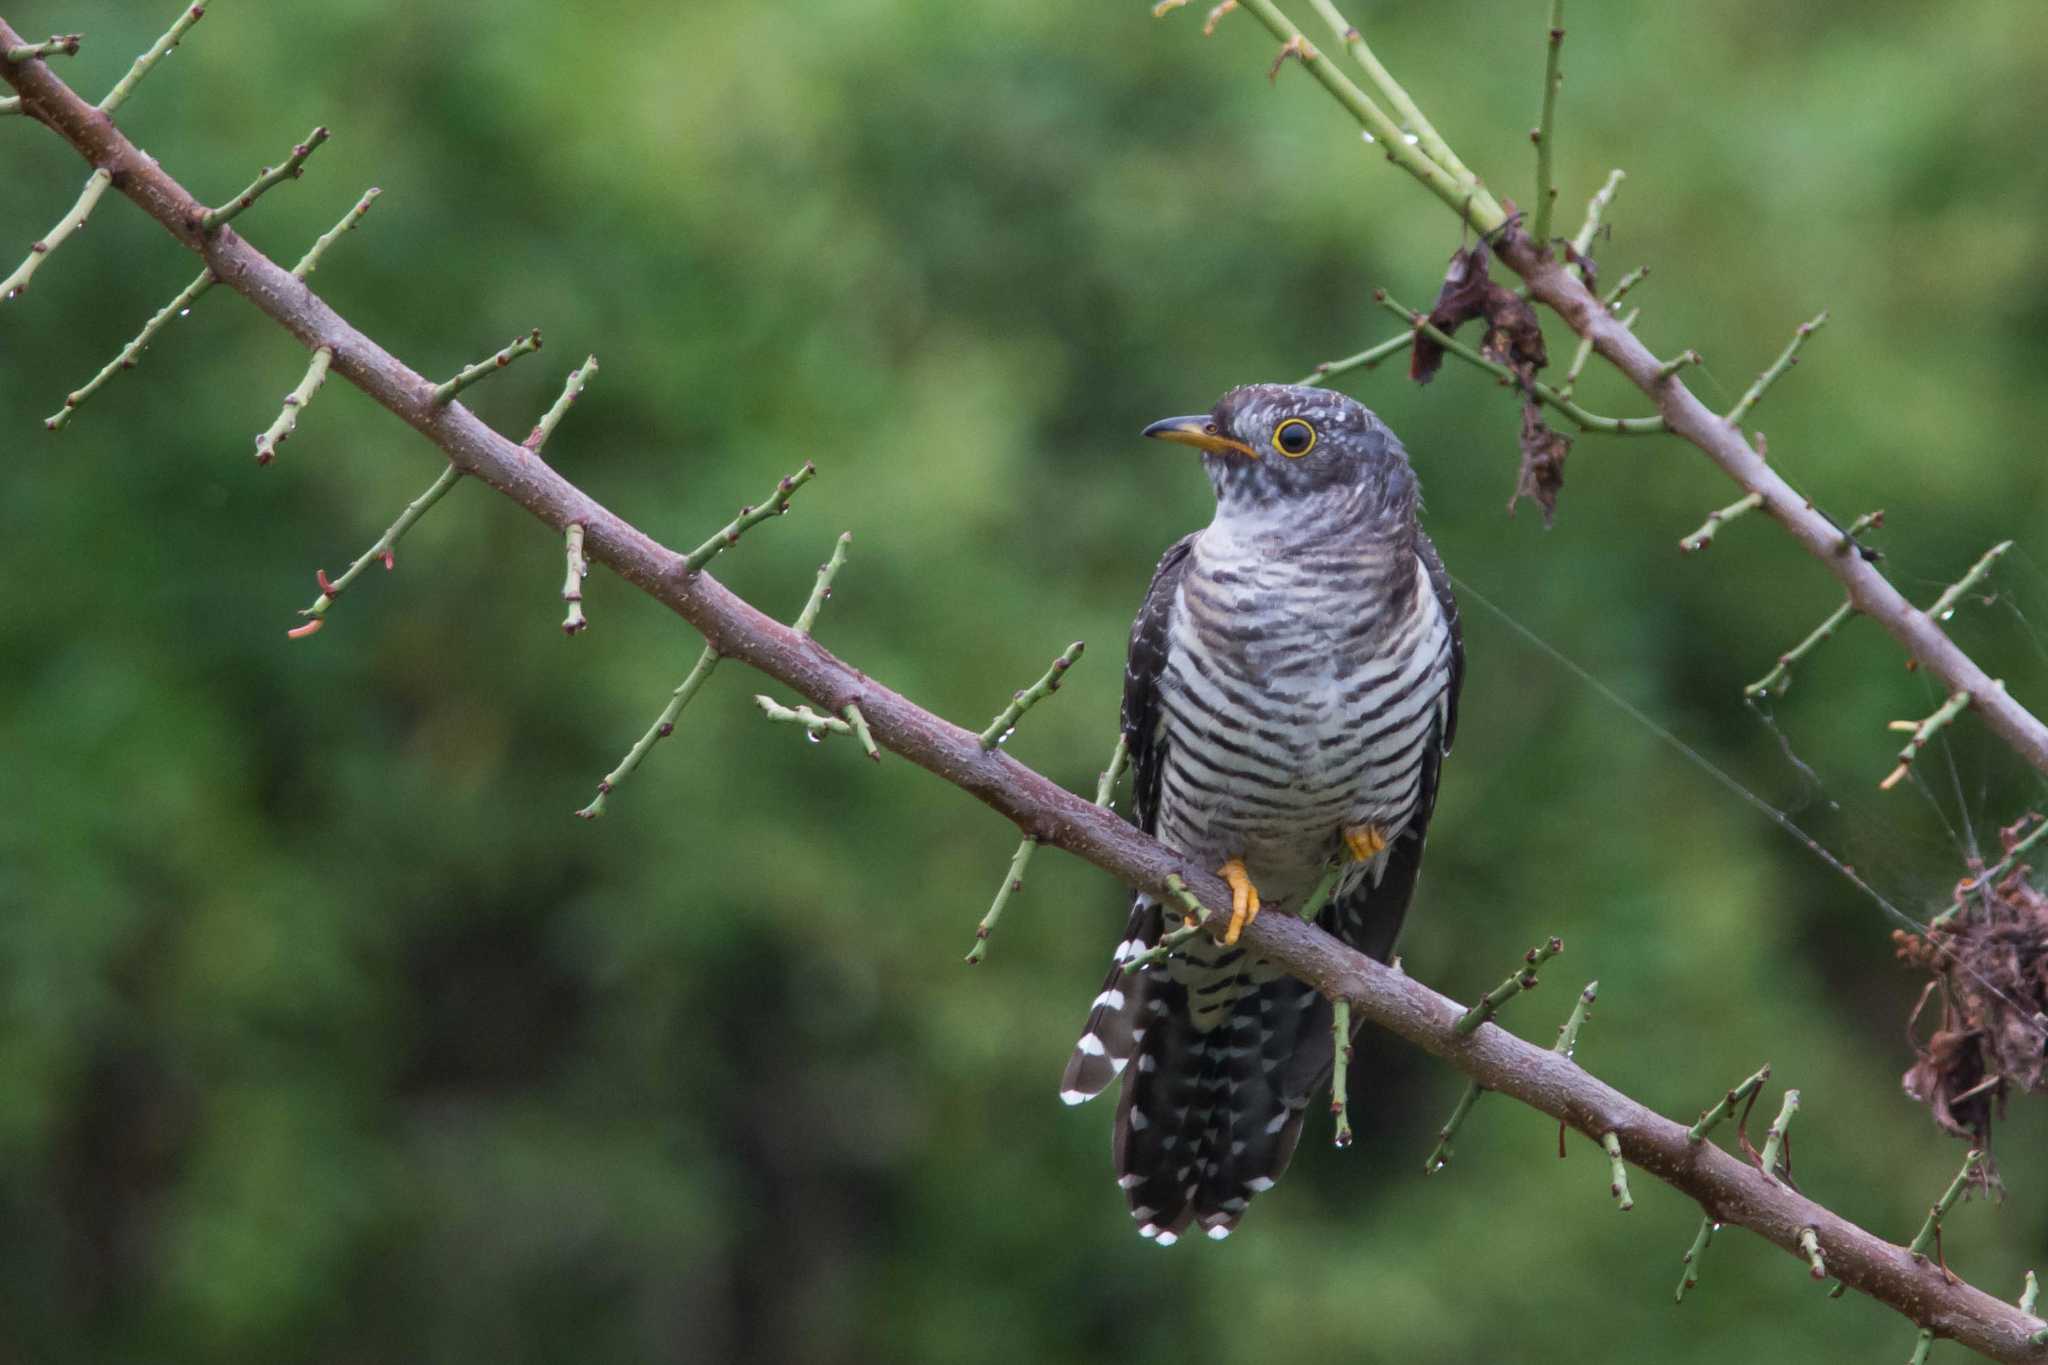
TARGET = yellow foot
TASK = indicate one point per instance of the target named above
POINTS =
(1364, 841)
(1244, 898)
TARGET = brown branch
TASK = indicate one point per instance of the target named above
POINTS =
(1728, 1189)
(1685, 416)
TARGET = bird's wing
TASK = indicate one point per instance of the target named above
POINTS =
(1114, 1027)
(1146, 665)
(1368, 915)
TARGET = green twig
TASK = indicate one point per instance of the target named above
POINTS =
(1774, 1138)
(1006, 720)
(1922, 1344)
(2030, 1293)
(1701, 1240)
(1430, 142)
(1596, 213)
(1191, 908)
(1585, 353)
(1857, 528)
(1930, 1231)
(1568, 1033)
(576, 568)
(816, 725)
(664, 726)
(1325, 887)
(310, 262)
(822, 589)
(572, 389)
(56, 45)
(1670, 368)
(1617, 1173)
(749, 517)
(10, 105)
(1628, 282)
(1119, 758)
(1809, 1244)
(1567, 1043)
(444, 393)
(1340, 1047)
(1945, 605)
(95, 186)
(1471, 203)
(861, 732)
(1440, 1155)
(131, 354)
(1702, 538)
(148, 60)
(1364, 360)
(1740, 1095)
(1544, 134)
(1586, 421)
(2011, 860)
(1524, 979)
(293, 167)
(1786, 360)
(1013, 881)
(279, 431)
(1924, 730)
(384, 548)
(1779, 679)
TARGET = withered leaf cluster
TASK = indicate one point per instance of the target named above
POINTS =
(1990, 973)
(1514, 338)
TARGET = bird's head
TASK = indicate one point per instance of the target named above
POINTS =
(1269, 444)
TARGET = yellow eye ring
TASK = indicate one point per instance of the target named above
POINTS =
(1294, 438)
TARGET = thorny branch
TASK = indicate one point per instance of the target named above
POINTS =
(1730, 1190)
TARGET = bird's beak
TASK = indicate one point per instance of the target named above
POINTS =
(1199, 432)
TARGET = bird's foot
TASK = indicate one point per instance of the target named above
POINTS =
(1216, 17)
(1244, 898)
(1365, 842)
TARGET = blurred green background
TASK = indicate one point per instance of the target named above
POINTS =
(327, 1034)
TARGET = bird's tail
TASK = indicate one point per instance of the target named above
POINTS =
(1209, 1116)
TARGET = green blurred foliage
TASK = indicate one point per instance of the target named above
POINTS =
(327, 1034)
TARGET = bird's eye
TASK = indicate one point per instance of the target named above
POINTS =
(1294, 438)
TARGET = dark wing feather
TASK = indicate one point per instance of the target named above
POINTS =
(1146, 665)
(1368, 917)
(1115, 1024)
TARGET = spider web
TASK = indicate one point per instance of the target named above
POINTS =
(1903, 851)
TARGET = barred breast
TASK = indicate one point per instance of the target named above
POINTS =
(1298, 699)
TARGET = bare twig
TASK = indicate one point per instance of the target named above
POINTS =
(291, 168)
(822, 589)
(1701, 1240)
(1544, 134)
(1524, 979)
(1702, 538)
(144, 64)
(311, 260)
(1930, 1231)
(575, 567)
(664, 726)
(1779, 679)
(749, 517)
(1740, 1095)
(56, 45)
(1785, 361)
(95, 186)
(1924, 730)
(1006, 720)
(294, 402)
(445, 392)
(131, 354)
(383, 549)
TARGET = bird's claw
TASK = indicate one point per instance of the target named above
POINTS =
(1365, 842)
(1244, 899)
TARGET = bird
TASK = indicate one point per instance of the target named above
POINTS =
(1291, 693)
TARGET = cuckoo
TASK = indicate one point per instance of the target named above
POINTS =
(1291, 693)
